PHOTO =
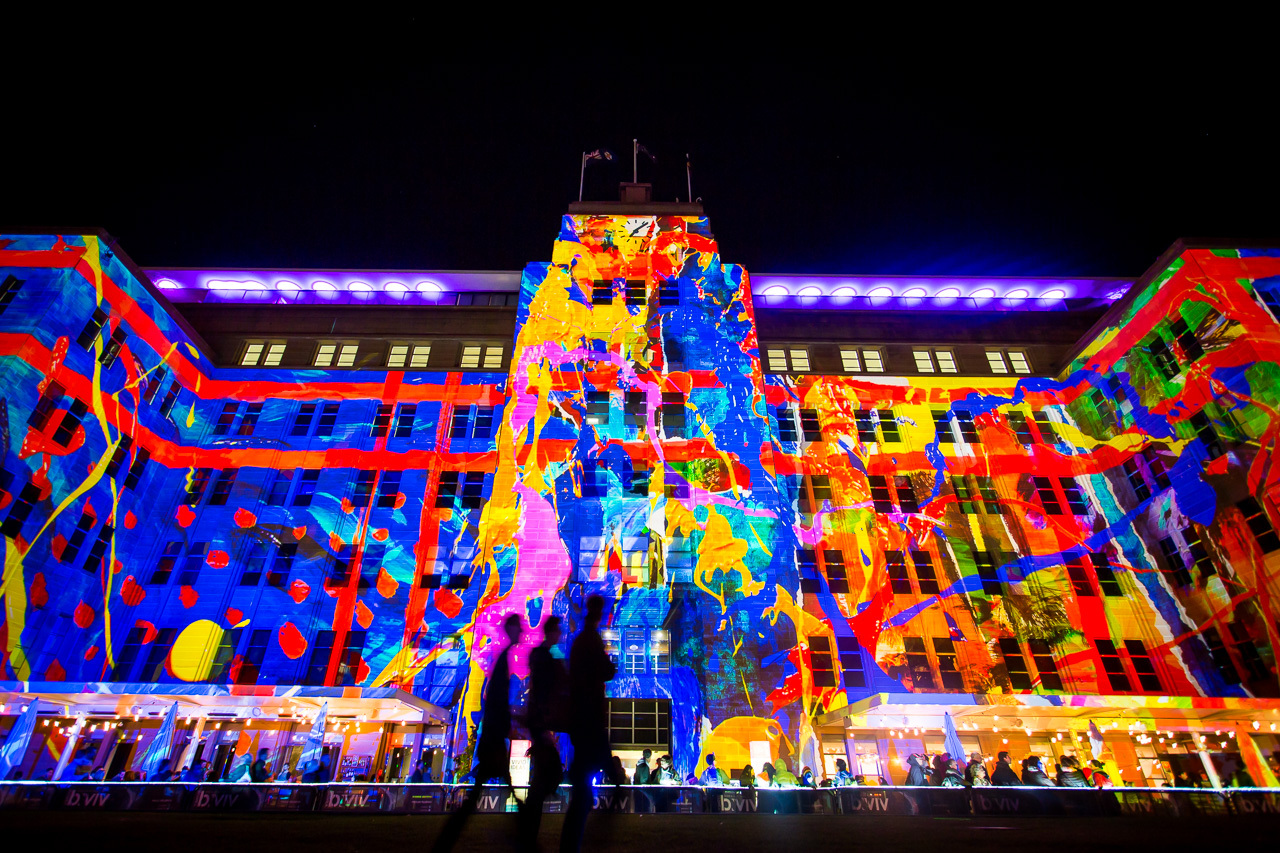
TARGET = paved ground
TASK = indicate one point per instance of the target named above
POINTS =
(189, 833)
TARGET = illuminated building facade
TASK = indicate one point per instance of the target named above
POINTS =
(824, 511)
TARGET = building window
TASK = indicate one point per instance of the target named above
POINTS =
(1021, 429)
(1259, 525)
(196, 486)
(926, 575)
(459, 487)
(472, 422)
(850, 652)
(945, 650)
(1208, 435)
(1081, 585)
(669, 291)
(46, 405)
(1133, 473)
(881, 498)
(988, 573)
(268, 353)
(1002, 361)
(413, 356)
(251, 663)
(327, 420)
(934, 361)
(637, 292)
(252, 564)
(222, 487)
(111, 351)
(814, 490)
(1015, 664)
(602, 293)
(389, 488)
(404, 420)
(867, 421)
(810, 426)
(1255, 668)
(787, 424)
(488, 356)
(278, 577)
(94, 561)
(363, 491)
(137, 468)
(318, 663)
(118, 455)
(1107, 580)
(72, 549)
(899, 580)
(1048, 497)
(829, 563)
(673, 414)
(639, 723)
(192, 563)
(306, 487)
(1173, 558)
(9, 290)
(1187, 340)
(381, 421)
(21, 510)
(170, 397)
(342, 354)
(302, 420)
(968, 429)
(1076, 501)
(820, 661)
(942, 427)
(788, 360)
(1221, 657)
(70, 422)
(91, 328)
(918, 664)
(861, 359)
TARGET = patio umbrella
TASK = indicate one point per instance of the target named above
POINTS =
(314, 746)
(15, 745)
(158, 749)
(952, 741)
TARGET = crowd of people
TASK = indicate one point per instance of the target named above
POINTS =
(947, 772)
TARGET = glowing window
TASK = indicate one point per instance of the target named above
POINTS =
(252, 352)
(924, 361)
(324, 355)
(995, 358)
(347, 355)
(397, 355)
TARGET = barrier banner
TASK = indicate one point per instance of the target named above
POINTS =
(1255, 802)
(357, 798)
(877, 801)
(220, 798)
(614, 799)
(419, 801)
(287, 798)
(159, 798)
(97, 798)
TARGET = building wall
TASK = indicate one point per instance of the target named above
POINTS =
(789, 553)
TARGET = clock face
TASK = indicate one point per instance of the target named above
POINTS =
(638, 226)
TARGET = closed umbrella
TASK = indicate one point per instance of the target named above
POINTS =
(314, 746)
(952, 741)
(158, 749)
(15, 745)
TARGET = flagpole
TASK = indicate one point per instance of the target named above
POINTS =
(635, 150)
(582, 175)
(688, 176)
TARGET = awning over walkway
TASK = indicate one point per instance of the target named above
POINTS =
(1052, 711)
(371, 704)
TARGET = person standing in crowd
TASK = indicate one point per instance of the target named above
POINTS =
(589, 669)
(783, 776)
(419, 774)
(196, 772)
(162, 773)
(1033, 773)
(712, 775)
(1069, 775)
(975, 775)
(843, 776)
(952, 778)
(747, 778)
(641, 776)
(261, 770)
(492, 752)
(664, 773)
(1004, 774)
(545, 714)
(939, 769)
(916, 764)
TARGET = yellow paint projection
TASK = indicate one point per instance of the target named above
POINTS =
(194, 650)
(721, 551)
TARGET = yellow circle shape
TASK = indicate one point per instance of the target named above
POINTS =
(194, 650)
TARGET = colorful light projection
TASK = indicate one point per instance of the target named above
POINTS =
(773, 547)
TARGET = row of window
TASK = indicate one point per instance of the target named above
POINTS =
(320, 420)
(411, 355)
(880, 425)
(791, 358)
(635, 292)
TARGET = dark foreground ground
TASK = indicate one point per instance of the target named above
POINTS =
(192, 833)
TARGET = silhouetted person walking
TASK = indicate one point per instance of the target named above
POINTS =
(492, 757)
(589, 669)
(547, 713)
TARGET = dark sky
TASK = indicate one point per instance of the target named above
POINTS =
(1067, 159)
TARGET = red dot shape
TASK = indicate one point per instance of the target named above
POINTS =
(380, 534)
(149, 631)
(218, 559)
(447, 602)
(244, 518)
(234, 616)
(299, 590)
(185, 516)
(130, 520)
(362, 671)
(57, 545)
(299, 532)
(400, 499)
(188, 596)
(292, 643)
(336, 543)
(83, 615)
(386, 584)
(55, 672)
(131, 592)
(91, 653)
(347, 506)
(363, 614)
(38, 595)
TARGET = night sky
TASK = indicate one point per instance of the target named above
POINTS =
(977, 160)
